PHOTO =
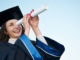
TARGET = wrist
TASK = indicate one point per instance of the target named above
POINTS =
(34, 27)
(37, 31)
(27, 32)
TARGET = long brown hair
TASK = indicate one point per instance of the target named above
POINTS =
(3, 37)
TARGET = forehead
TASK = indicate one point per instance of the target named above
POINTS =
(11, 21)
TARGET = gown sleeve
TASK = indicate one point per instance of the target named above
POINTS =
(53, 48)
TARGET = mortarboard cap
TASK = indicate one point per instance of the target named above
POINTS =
(12, 13)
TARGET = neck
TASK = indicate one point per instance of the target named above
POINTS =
(13, 38)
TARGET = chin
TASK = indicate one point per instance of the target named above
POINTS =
(17, 35)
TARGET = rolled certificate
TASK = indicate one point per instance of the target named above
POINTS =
(35, 13)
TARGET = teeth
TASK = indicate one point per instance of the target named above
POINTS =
(17, 31)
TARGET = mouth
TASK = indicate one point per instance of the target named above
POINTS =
(17, 31)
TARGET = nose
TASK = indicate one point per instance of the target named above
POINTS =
(17, 26)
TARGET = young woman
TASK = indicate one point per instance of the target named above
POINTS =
(15, 43)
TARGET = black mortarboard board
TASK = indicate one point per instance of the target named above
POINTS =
(11, 13)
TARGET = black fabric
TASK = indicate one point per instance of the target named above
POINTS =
(19, 52)
(11, 13)
(55, 44)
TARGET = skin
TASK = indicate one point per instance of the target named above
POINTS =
(14, 31)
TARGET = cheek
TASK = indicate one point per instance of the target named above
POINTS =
(9, 30)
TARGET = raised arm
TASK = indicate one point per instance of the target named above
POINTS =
(34, 24)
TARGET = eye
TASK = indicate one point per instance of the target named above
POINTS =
(11, 24)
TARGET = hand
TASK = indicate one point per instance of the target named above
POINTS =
(34, 22)
(26, 24)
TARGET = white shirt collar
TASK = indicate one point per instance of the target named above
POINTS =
(12, 40)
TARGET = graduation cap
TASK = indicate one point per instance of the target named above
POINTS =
(11, 13)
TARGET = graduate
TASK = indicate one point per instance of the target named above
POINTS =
(15, 43)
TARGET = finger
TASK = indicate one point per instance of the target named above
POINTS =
(27, 18)
(37, 16)
(24, 18)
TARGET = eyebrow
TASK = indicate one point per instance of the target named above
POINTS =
(11, 23)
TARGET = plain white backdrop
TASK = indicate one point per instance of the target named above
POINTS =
(60, 22)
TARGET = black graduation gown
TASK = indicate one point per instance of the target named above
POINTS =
(19, 51)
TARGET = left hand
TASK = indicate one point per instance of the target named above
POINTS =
(34, 22)
(26, 24)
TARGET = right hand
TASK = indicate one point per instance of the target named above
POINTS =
(26, 24)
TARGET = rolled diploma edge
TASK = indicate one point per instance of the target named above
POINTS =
(35, 13)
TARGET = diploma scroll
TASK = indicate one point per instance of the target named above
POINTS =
(35, 13)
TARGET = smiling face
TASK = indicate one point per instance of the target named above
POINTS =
(13, 30)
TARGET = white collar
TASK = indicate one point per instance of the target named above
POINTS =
(12, 40)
